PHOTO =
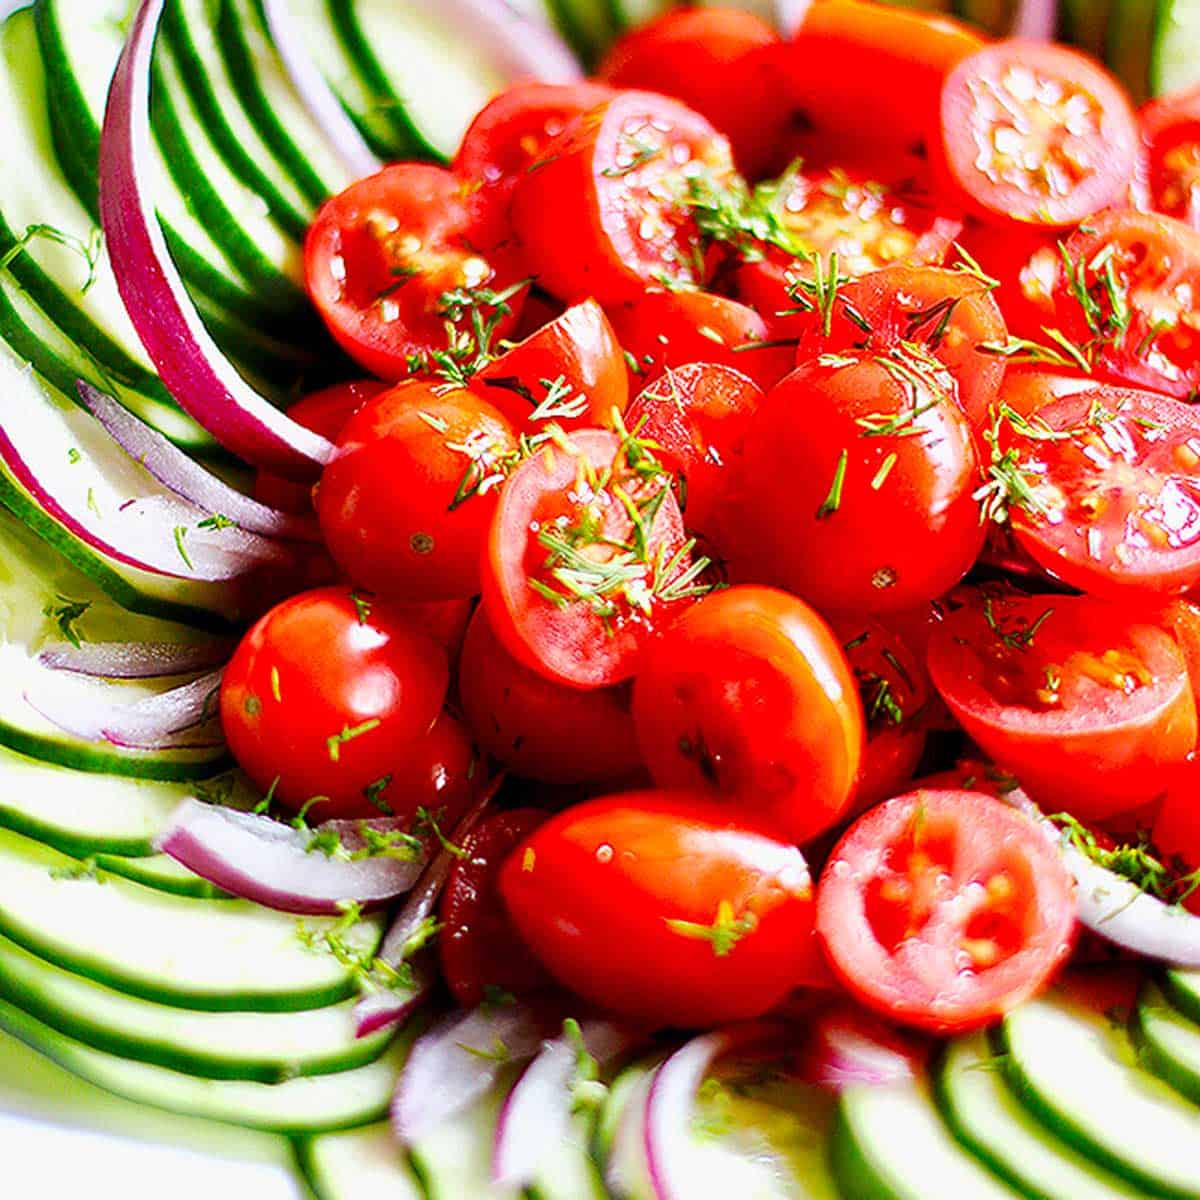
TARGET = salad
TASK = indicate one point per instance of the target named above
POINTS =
(616, 634)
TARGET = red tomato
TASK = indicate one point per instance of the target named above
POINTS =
(1026, 390)
(407, 498)
(950, 313)
(1176, 834)
(1024, 260)
(664, 329)
(603, 212)
(1181, 619)
(698, 414)
(1171, 133)
(382, 258)
(1108, 497)
(324, 698)
(1089, 709)
(539, 729)
(477, 946)
(571, 371)
(704, 58)
(748, 697)
(573, 586)
(443, 620)
(1035, 133)
(664, 908)
(439, 772)
(945, 909)
(856, 486)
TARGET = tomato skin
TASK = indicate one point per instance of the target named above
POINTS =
(1171, 134)
(385, 499)
(1176, 833)
(592, 892)
(945, 909)
(542, 730)
(595, 215)
(1026, 390)
(311, 669)
(1093, 153)
(579, 347)
(1099, 735)
(909, 539)
(478, 947)
(410, 217)
(748, 698)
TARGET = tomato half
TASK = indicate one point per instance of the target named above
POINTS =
(1091, 710)
(664, 908)
(604, 211)
(478, 947)
(1176, 834)
(542, 730)
(1037, 133)
(945, 909)
(748, 697)
(324, 698)
(1171, 132)
(382, 257)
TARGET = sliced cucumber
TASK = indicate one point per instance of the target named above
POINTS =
(890, 1144)
(1085, 23)
(1182, 989)
(1174, 38)
(1127, 44)
(990, 1122)
(1079, 1074)
(359, 1164)
(620, 1143)
(221, 956)
(161, 873)
(1168, 1043)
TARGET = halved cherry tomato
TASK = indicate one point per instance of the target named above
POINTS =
(406, 501)
(1181, 618)
(1026, 390)
(478, 947)
(664, 329)
(704, 58)
(325, 699)
(856, 487)
(1108, 497)
(604, 211)
(1176, 834)
(1033, 132)
(571, 371)
(748, 697)
(950, 313)
(542, 730)
(945, 909)
(1090, 709)
(698, 414)
(573, 583)
(664, 908)
(1171, 133)
(382, 258)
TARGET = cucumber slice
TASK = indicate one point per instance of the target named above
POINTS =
(890, 1144)
(620, 1144)
(358, 1164)
(454, 1160)
(990, 1122)
(1168, 1043)
(1127, 44)
(161, 873)
(1085, 23)
(1182, 989)
(1079, 1074)
(227, 955)
(257, 1047)
(1176, 34)
(302, 1106)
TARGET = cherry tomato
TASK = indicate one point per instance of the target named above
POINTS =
(1171, 132)
(439, 772)
(571, 371)
(863, 461)
(1176, 834)
(1033, 132)
(323, 698)
(478, 947)
(382, 258)
(664, 908)
(539, 729)
(748, 697)
(698, 414)
(703, 57)
(1024, 261)
(603, 212)
(664, 329)
(406, 501)
(1089, 709)
(1108, 495)
(945, 909)
(1181, 619)
(573, 585)
(1026, 390)
(950, 313)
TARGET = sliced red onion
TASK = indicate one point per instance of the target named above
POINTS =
(194, 370)
(396, 1003)
(318, 97)
(536, 1115)
(848, 1046)
(134, 660)
(790, 14)
(187, 478)
(457, 1062)
(263, 860)
(1036, 20)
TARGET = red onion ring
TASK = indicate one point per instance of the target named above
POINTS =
(847, 1046)
(1036, 20)
(134, 660)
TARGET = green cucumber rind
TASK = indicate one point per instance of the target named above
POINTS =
(1154, 1052)
(161, 873)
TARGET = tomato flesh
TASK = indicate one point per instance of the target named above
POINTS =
(1171, 132)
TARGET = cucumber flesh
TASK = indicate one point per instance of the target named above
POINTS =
(161, 873)
(1176, 34)
(358, 1164)
(1182, 988)
(1168, 1043)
